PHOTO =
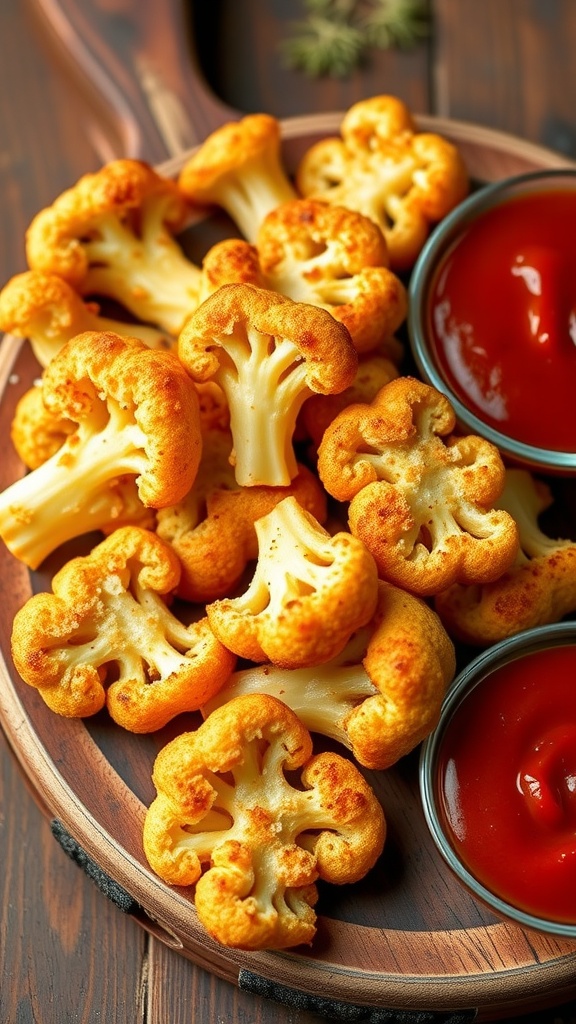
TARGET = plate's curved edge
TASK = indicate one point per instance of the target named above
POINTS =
(9, 350)
(458, 131)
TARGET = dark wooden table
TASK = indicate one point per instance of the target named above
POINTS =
(67, 953)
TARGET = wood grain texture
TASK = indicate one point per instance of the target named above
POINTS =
(66, 952)
(508, 64)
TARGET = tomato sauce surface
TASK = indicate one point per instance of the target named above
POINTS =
(507, 778)
(502, 311)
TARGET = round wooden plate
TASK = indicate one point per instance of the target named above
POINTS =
(408, 936)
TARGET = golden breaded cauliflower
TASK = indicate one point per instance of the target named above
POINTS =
(539, 588)
(324, 255)
(239, 168)
(112, 234)
(374, 371)
(106, 618)
(212, 529)
(420, 497)
(137, 415)
(309, 593)
(381, 696)
(227, 820)
(267, 353)
(37, 432)
(382, 166)
(45, 309)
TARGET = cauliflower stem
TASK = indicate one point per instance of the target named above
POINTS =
(148, 273)
(310, 591)
(70, 487)
(265, 391)
(321, 696)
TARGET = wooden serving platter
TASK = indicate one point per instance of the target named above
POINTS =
(408, 936)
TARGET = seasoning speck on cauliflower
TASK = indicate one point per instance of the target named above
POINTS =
(136, 413)
(113, 234)
(107, 619)
(227, 821)
(267, 353)
(309, 593)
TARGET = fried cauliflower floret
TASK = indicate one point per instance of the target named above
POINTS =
(420, 497)
(106, 617)
(227, 820)
(37, 432)
(45, 309)
(137, 415)
(267, 353)
(403, 179)
(212, 529)
(310, 591)
(324, 255)
(381, 696)
(239, 168)
(113, 234)
(231, 261)
(374, 371)
(539, 588)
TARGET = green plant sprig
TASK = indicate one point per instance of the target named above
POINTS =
(335, 36)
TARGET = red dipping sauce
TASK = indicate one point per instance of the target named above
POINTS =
(502, 318)
(507, 782)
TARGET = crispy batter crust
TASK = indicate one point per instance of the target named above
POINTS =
(53, 239)
(104, 616)
(263, 844)
(381, 165)
(539, 588)
(421, 498)
(212, 530)
(324, 255)
(153, 385)
(309, 592)
(36, 432)
(324, 344)
(45, 309)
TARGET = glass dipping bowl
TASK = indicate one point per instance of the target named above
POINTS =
(437, 250)
(442, 784)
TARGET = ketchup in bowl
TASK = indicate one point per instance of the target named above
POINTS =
(493, 315)
(498, 778)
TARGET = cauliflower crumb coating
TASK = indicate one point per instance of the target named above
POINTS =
(381, 696)
(374, 371)
(35, 431)
(106, 618)
(382, 166)
(113, 234)
(45, 309)
(212, 529)
(267, 353)
(540, 586)
(227, 821)
(324, 255)
(309, 593)
(136, 414)
(239, 168)
(421, 498)
(37, 434)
